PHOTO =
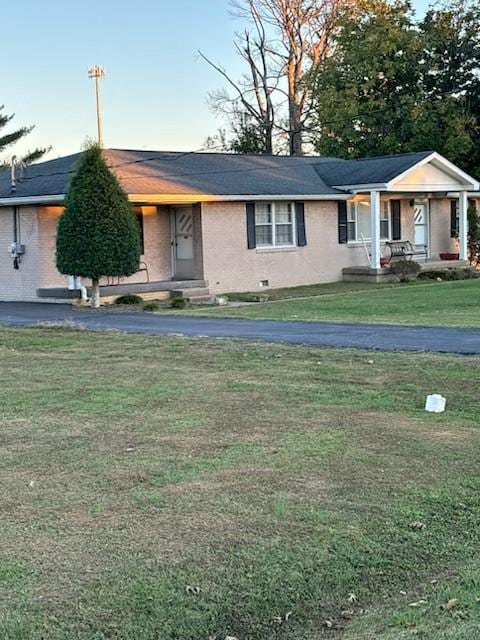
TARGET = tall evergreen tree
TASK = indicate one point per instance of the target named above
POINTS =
(97, 234)
(7, 140)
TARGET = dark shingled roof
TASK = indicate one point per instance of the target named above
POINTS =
(217, 174)
(377, 170)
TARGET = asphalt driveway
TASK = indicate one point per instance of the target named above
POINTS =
(364, 336)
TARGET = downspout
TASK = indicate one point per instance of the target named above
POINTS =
(83, 292)
(75, 284)
(16, 261)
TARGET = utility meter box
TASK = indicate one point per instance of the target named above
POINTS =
(17, 249)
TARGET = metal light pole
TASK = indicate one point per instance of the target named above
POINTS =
(98, 73)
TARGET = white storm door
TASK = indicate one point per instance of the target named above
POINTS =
(183, 242)
(421, 227)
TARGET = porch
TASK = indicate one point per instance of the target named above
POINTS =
(171, 262)
(157, 290)
(423, 208)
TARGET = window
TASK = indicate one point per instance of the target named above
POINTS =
(385, 221)
(359, 221)
(274, 224)
(138, 212)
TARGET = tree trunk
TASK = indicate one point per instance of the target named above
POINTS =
(269, 139)
(295, 130)
(95, 300)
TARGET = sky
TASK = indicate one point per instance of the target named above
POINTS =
(154, 93)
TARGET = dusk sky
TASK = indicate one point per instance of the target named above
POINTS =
(154, 96)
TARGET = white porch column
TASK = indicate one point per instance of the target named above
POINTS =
(375, 225)
(463, 225)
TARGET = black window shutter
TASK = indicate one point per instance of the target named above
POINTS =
(396, 220)
(453, 218)
(251, 239)
(139, 217)
(300, 219)
(342, 222)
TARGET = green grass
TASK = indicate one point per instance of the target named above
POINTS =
(306, 291)
(453, 304)
(189, 489)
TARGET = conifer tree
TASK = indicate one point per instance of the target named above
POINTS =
(7, 140)
(97, 234)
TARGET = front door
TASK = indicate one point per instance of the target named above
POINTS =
(421, 227)
(182, 224)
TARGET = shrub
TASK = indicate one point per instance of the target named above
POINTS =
(432, 274)
(151, 306)
(405, 270)
(471, 274)
(465, 273)
(178, 303)
(249, 297)
(129, 298)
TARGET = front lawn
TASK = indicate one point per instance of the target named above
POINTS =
(454, 304)
(181, 489)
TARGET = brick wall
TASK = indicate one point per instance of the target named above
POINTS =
(19, 284)
(230, 266)
(440, 240)
(221, 241)
(157, 249)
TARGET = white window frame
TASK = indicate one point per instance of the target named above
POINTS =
(353, 208)
(273, 224)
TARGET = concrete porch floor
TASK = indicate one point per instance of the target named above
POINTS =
(367, 274)
(160, 288)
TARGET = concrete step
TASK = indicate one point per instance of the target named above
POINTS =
(188, 284)
(201, 299)
(192, 292)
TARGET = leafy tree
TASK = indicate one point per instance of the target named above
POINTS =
(97, 234)
(245, 137)
(9, 139)
(395, 84)
(367, 92)
(450, 59)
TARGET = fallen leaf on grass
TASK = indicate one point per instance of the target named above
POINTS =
(285, 618)
(451, 604)
(417, 525)
(347, 614)
(194, 590)
(417, 604)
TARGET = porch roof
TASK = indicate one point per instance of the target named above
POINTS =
(422, 171)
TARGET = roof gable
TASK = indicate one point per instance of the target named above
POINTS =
(368, 171)
(422, 171)
(434, 173)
